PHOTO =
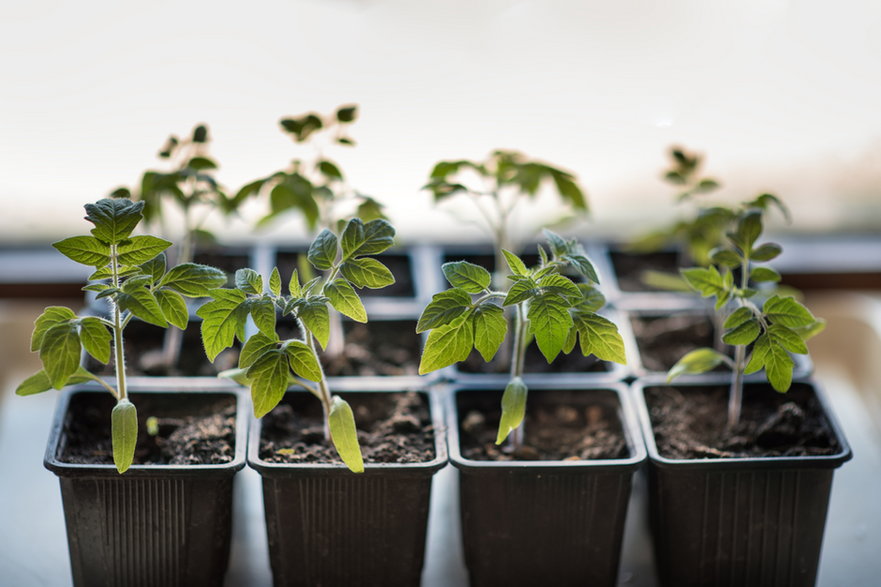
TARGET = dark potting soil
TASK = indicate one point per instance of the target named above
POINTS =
(392, 428)
(194, 429)
(582, 425)
(144, 356)
(690, 423)
(398, 264)
(630, 267)
(663, 340)
(380, 347)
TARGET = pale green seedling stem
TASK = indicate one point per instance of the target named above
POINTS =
(517, 361)
(118, 326)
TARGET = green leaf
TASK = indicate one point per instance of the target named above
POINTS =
(743, 333)
(569, 191)
(707, 281)
(811, 330)
(173, 307)
(201, 163)
(344, 434)
(316, 319)
(787, 338)
(60, 353)
(787, 312)
(262, 310)
(193, 280)
(329, 170)
(107, 273)
(551, 321)
(521, 290)
(294, 284)
(443, 308)
(513, 408)
(95, 338)
(369, 209)
(559, 284)
(766, 252)
(367, 272)
(600, 337)
(140, 249)
(322, 251)
(447, 344)
(249, 281)
(51, 316)
(490, 327)
(697, 361)
(222, 319)
(347, 114)
(725, 258)
(345, 300)
(87, 250)
(141, 302)
(515, 263)
(269, 380)
(254, 347)
(583, 265)
(275, 282)
(467, 276)
(591, 300)
(39, 382)
(155, 268)
(302, 360)
(761, 274)
(366, 239)
(778, 365)
(240, 376)
(114, 219)
(124, 433)
(749, 228)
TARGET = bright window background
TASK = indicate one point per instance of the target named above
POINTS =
(780, 95)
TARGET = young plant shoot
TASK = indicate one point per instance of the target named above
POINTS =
(269, 365)
(548, 306)
(131, 275)
(775, 327)
(498, 185)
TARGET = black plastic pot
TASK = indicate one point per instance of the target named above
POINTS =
(544, 522)
(156, 524)
(739, 521)
(328, 526)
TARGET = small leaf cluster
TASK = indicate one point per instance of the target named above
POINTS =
(559, 311)
(775, 327)
(268, 364)
(505, 169)
(313, 186)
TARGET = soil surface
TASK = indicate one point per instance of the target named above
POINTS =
(663, 340)
(195, 429)
(690, 423)
(629, 268)
(579, 425)
(398, 264)
(392, 428)
(380, 347)
(143, 351)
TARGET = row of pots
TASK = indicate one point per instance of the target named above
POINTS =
(749, 521)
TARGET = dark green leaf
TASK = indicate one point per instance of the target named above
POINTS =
(193, 280)
(95, 338)
(447, 344)
(467, 276)
(366, 239)
(766, 252)
(762, 274)
(344, 434)
(551, 321)
(140, 249)
(87, 250)
(444, 307)
(269, 380)
(329, 170)
(141, 302)
(569, 191)
(223, 318)
(490, 327)
(513, 408)
(124, 434)
(749, 228)
(367, 272)
(347, 113)
(302, 360)
(787, 338)
(323, 250)
(201, 163)
(114, 219)
(155, 268)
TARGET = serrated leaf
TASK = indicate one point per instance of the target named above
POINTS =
(114, 219)
(583, 265)
(743, 333)
(443, 308)
(366, 239)
(490, 328)
(269, 380)
(294, 285)
(95, 338)
(155, 267)
(559, 284)
(697, 361)
(275, 282)
(173, 307)
(323, 250)
(707, 281)
(124, 434)
(107, 272)
(222, 319)
(140, 249)
(600, 337)
(467, 276)
(255, 346)
(778, 365)
(591, 300)
(141, 302)
(739, 316)
(344, 299)
(262, 311)
(787, 312)
(763, 274)
(447, 344)
(302, 360)
(787, 338)
(515, 263)
(766, 252)
(551, 321)
(316, 319)
(367, 272)
(193, 280)
(51, 316)
(521, 290)
(249, 281)
(39, 381)
(341, 421)
(513, 408)
(60, 353)
(86, 250)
